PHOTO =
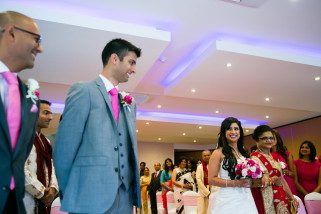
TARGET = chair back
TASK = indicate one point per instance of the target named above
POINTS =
(313, 203)
(171, 208)
(301, 209)
(55, 207)
(190, 202)
(159, 200)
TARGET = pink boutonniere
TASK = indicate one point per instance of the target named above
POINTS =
(126, 99)
(33, 92)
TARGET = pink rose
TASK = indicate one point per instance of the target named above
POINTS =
(37, 93)
(128, 99)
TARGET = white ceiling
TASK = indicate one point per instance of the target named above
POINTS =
(274, 48)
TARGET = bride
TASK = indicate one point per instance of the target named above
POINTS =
(234, 195)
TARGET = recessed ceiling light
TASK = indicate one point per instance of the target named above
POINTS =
(267, 116)
(217, 111)
(228, 65)
(267, 99)
(159, 106)
(317, 78)
(159, 138)
(200, 127)
(193, 90)
(162, 59)
(184, 134)
(147, 123)
(246, 130)
(194, 141)
(136, 130)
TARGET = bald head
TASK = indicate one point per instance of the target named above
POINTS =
(14, 18)
(206, 154)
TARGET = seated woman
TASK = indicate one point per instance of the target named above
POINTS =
(307, 176)
(144, 182)
(275, 195)
(183, 181)
(281, 154)
(166, 180)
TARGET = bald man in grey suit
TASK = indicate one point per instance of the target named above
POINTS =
(95, 153)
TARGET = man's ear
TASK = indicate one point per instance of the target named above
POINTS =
(113, 58)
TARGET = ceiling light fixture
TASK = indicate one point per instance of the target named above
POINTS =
(136, 130)
(246, 130)
(147, 123)
(267, 99)
(159, 106)
(200, 127)
(228, 65)
(317, 78)
(159, 138)
(184, 134)
(193, 90)
(267, 116)
(194, 141)
(217, 111)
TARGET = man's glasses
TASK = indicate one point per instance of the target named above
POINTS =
(38, 38)
(267, 138)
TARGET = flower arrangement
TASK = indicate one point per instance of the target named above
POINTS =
(33, 92)
(248, 168)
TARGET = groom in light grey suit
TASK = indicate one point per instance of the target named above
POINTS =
(95, 153)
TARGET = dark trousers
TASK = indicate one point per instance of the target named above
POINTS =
(153, 202)
(11, 204)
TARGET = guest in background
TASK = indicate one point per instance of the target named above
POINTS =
(154, 186)
(142, 166)
(281, 154)
(166, 180)
(191, 167)
(20, 42)
(144, 183)
(202, 183)
(273, 197)
(41, 182)
(307, 176)
(183, 181)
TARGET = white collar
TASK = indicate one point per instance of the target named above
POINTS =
(107, 83)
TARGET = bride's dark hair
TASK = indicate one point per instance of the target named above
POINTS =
(229, 161)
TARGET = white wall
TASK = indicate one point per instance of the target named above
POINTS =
(154, 152)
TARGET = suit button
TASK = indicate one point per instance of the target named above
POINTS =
(116, 169)
(122, 166)
(115, 148)
(122, 177)
(121, 155)
(121, 144)
(119, 134)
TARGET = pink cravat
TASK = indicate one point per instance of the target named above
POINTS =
(114, 102)
(13, 111)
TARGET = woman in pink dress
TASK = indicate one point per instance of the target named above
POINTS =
(281, 154)
(308, 173)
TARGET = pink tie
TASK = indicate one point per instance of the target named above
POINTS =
(13, 111)
(114, 101)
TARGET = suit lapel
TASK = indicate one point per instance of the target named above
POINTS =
(128, 121)
(25, 107)
(4, 125)
(103, 91)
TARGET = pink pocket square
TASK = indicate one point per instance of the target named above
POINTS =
(34, 108)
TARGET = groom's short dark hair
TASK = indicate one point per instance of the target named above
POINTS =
(119, 47)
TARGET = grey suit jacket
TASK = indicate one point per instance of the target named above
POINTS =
(85, 157)
(12, 162)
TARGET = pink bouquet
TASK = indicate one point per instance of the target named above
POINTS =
(248, 168)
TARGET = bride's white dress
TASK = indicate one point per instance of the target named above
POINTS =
(232, 199)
